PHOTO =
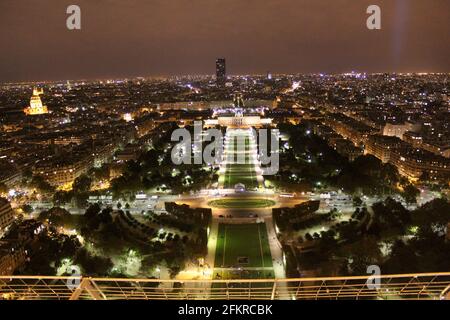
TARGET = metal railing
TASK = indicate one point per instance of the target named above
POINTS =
(400, 286)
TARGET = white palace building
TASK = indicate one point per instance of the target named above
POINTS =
(238, 116)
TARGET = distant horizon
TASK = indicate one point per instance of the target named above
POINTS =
(135, 77)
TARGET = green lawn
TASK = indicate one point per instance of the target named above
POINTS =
(243, 245)
(231, 181)
(237, 172)
(244, 203)
(240, 167)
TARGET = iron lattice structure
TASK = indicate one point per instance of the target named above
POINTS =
(401, 286)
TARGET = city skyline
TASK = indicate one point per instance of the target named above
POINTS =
(119, 40)
(225, 149)
(99, 184)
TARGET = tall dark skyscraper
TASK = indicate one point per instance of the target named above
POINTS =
(221, 73)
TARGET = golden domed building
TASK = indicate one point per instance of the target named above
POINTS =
(36, 107)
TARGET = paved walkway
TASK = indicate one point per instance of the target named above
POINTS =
(277, 255)
(212, 242)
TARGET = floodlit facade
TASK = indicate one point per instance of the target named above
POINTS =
(36, 107)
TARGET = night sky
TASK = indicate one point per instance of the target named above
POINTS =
(126, 38)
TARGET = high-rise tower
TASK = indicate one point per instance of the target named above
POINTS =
(221, 71)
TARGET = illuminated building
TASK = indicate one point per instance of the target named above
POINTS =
(221, 74)
(11, 257)
(410, 162)
(239, 121)
(343, 146)
(63, 172)
(238, 116)
(103, 154)
(398, 130)
(6, 214)
(349, 128)
(14, 251)
(383, 147)
(127, 117)
(36, 107)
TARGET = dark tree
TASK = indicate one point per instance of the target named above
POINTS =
(410, 194)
